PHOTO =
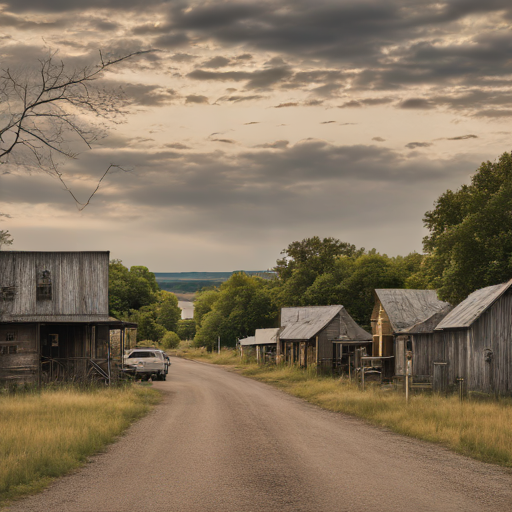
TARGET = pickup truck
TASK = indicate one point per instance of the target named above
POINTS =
(146, 363)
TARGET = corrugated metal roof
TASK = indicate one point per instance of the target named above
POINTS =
(470, 309)
(247, 341)
(406, 308)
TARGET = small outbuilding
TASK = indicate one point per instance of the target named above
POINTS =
(317, 334)
(264, 342)
(476, 342)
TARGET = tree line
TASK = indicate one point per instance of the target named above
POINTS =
(468, 246)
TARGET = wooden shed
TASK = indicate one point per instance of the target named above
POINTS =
(313, 334)
(264, 343)
(404, 320)
(54, 321)
(476, 342)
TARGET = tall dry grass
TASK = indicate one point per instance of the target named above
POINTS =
(46, 434)
(481, 429)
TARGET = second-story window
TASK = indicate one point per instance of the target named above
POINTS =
(44, 285)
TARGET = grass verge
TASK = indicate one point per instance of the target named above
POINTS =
(481, 429)
(46, 434)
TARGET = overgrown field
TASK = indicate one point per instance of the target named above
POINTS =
(479, 428)
(46, 434)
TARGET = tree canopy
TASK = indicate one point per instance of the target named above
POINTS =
(241, 305)
(469, 245)
(134, 295)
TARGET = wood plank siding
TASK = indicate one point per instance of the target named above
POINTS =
(79, 284)
(482, 353)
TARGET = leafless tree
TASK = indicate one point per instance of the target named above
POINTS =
(47, 115)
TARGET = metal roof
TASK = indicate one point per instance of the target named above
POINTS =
(406, 308)
(428, 325)
(306, 322)
(267, 336)
(470, 309)
(247, 341)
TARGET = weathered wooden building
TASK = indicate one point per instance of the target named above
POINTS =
(316, 334)
(404, 320)
(54, 321)
(476, 342)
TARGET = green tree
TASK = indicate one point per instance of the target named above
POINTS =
(130, 289)
(203, 304)
(168, 313)
(243, 305)
(353, 279)
(469, 245)
(186, 329)
(148, 329)
(170, 340)
(304, 262)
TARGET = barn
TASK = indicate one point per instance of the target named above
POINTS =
(316, 334)
(476, 342)
(54, 321)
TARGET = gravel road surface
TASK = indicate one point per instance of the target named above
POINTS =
(221, 442)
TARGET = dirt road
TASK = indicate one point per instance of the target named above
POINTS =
(224, 443)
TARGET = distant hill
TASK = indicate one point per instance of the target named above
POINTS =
(191, 282)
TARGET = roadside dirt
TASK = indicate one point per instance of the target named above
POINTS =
(220, 442)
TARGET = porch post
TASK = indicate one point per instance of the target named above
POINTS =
(108, 358)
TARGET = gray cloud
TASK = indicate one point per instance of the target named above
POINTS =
(176, 145)
(414, 145)
(416, 103)
(278, 144)
(287, 104)
(463, 137)
(378, 139)
(494, 113)
(255, 79)
(196, 98)
(216, 62)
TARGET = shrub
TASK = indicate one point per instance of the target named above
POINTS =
(170, 340)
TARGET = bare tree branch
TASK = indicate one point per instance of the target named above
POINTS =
(48, 115)
(80, 205)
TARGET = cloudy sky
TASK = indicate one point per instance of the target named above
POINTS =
(259, 123)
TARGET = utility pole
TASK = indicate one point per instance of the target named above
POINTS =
(218, 346)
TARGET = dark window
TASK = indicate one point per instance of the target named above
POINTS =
(141, 354)
(10, 336)
(13, 349)
(54, 340)
(7, 292)
(4, 350)
(44, 285)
